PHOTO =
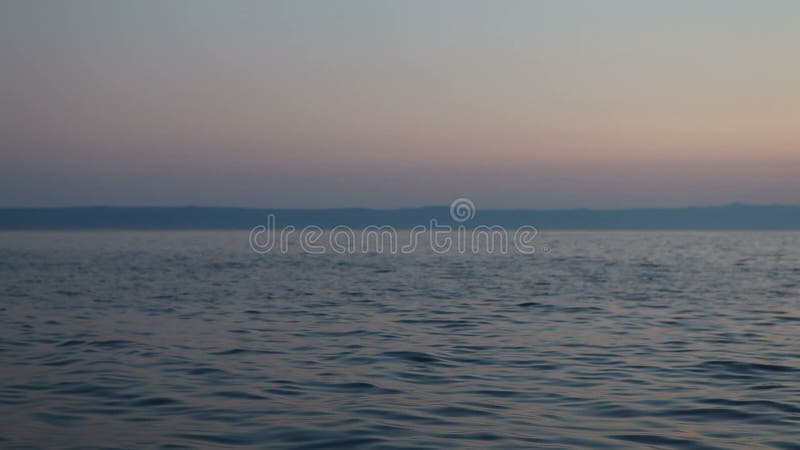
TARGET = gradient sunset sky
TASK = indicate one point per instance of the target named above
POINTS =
(301, 103)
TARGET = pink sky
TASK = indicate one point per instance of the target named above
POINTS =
(294, 104)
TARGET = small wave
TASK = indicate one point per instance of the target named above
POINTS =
(459, 411)
(238, 395)
(739, 367)
(709, 414)
(154, 401)
(414, 357)
(244, 351)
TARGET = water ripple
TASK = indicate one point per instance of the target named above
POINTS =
(188, 340)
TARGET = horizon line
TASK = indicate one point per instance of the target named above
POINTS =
(400, 208)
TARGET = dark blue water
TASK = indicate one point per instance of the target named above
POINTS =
(188, 339)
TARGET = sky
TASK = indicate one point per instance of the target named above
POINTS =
(384, 104)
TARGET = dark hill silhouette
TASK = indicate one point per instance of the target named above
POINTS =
(735, 216)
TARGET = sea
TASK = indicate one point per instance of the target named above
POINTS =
(190, 339)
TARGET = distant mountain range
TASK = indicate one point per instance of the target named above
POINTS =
(735, 216)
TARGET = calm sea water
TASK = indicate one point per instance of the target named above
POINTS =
(189, 339)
